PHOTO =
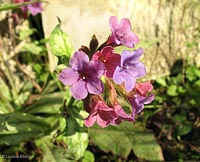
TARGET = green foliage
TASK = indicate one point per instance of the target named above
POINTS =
(52, 153)
(19, 127)
(122, 139)
(60, 43)
(177, 121)
(88, 157)
(74, 135)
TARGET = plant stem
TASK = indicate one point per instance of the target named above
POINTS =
(71, 101)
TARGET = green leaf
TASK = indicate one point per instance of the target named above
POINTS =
(88, 157)
(162, 82)
(60, 43)
(33, 48)
(172, 90)
(25, 33)
(120, 140)
(192, 72)
(145, 145)
(110, 139)
(52, 153)
(75, 135)
(19, 127)
(49, 103)
(184, 128)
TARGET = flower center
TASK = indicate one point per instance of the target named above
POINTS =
(119, 35)
(125, 67)
(83, 75)
(104, 60)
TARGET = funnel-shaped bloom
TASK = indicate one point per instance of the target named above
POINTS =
(121, 32)
(143, 88)
(141, 97)
(130, 69)
(109, 58)
(137, 102)
(102, 114)
(83, 76)
(122, 115)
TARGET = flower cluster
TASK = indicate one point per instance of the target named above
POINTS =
(99, 76)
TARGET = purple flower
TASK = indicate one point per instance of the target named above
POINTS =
(102, 114)
(83, 76)
(121, 32)
(141, 97)
(130, 69)
(34, 8)
(137, 102)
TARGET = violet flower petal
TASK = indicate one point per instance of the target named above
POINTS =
(121, 32)
(128, 79)
(138, 102)
(117, 75)
(130, 39)
(124, 25)
(79, 90)
(130, 58)
(138, 70)
(35, 8)
(68, 76)
(113, 22)
(79, 60)
(94, 86)
(95, 69)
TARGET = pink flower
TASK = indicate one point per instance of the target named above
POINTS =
(122, 115)
(102, 114)
(109, 58)
(121, 32)
(144, 88)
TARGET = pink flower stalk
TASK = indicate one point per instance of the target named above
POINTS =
(121, 32)
(109, 58)
(83, 76)
(102, 114)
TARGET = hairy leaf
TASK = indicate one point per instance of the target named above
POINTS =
(122, 139)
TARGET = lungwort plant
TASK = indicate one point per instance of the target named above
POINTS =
(92, 99)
